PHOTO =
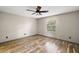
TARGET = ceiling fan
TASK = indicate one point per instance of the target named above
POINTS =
(38, 11)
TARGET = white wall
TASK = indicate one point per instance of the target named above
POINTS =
(66, 25)
(15, 26)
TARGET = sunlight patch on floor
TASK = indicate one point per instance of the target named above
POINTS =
(51, 48)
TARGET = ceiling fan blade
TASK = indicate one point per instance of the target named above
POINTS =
(33, 13)
(30, 10)
(43, 11)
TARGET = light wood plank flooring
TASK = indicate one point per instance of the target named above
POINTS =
(38, 44)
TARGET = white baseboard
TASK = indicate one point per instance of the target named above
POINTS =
(58, 38)
(13, 36)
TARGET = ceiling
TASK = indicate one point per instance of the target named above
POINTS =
(53, 10)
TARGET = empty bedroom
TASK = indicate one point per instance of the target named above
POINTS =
(39, 29)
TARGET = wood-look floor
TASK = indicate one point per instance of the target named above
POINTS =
(38, 44)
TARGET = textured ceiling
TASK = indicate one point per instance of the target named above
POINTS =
(53, 10)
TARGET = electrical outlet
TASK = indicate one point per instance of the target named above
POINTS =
(6, 37)
(69, 37)
(24, 33)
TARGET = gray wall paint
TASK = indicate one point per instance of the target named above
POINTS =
(15, 26)
(66, 25)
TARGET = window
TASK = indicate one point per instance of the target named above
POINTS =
(51, 26)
